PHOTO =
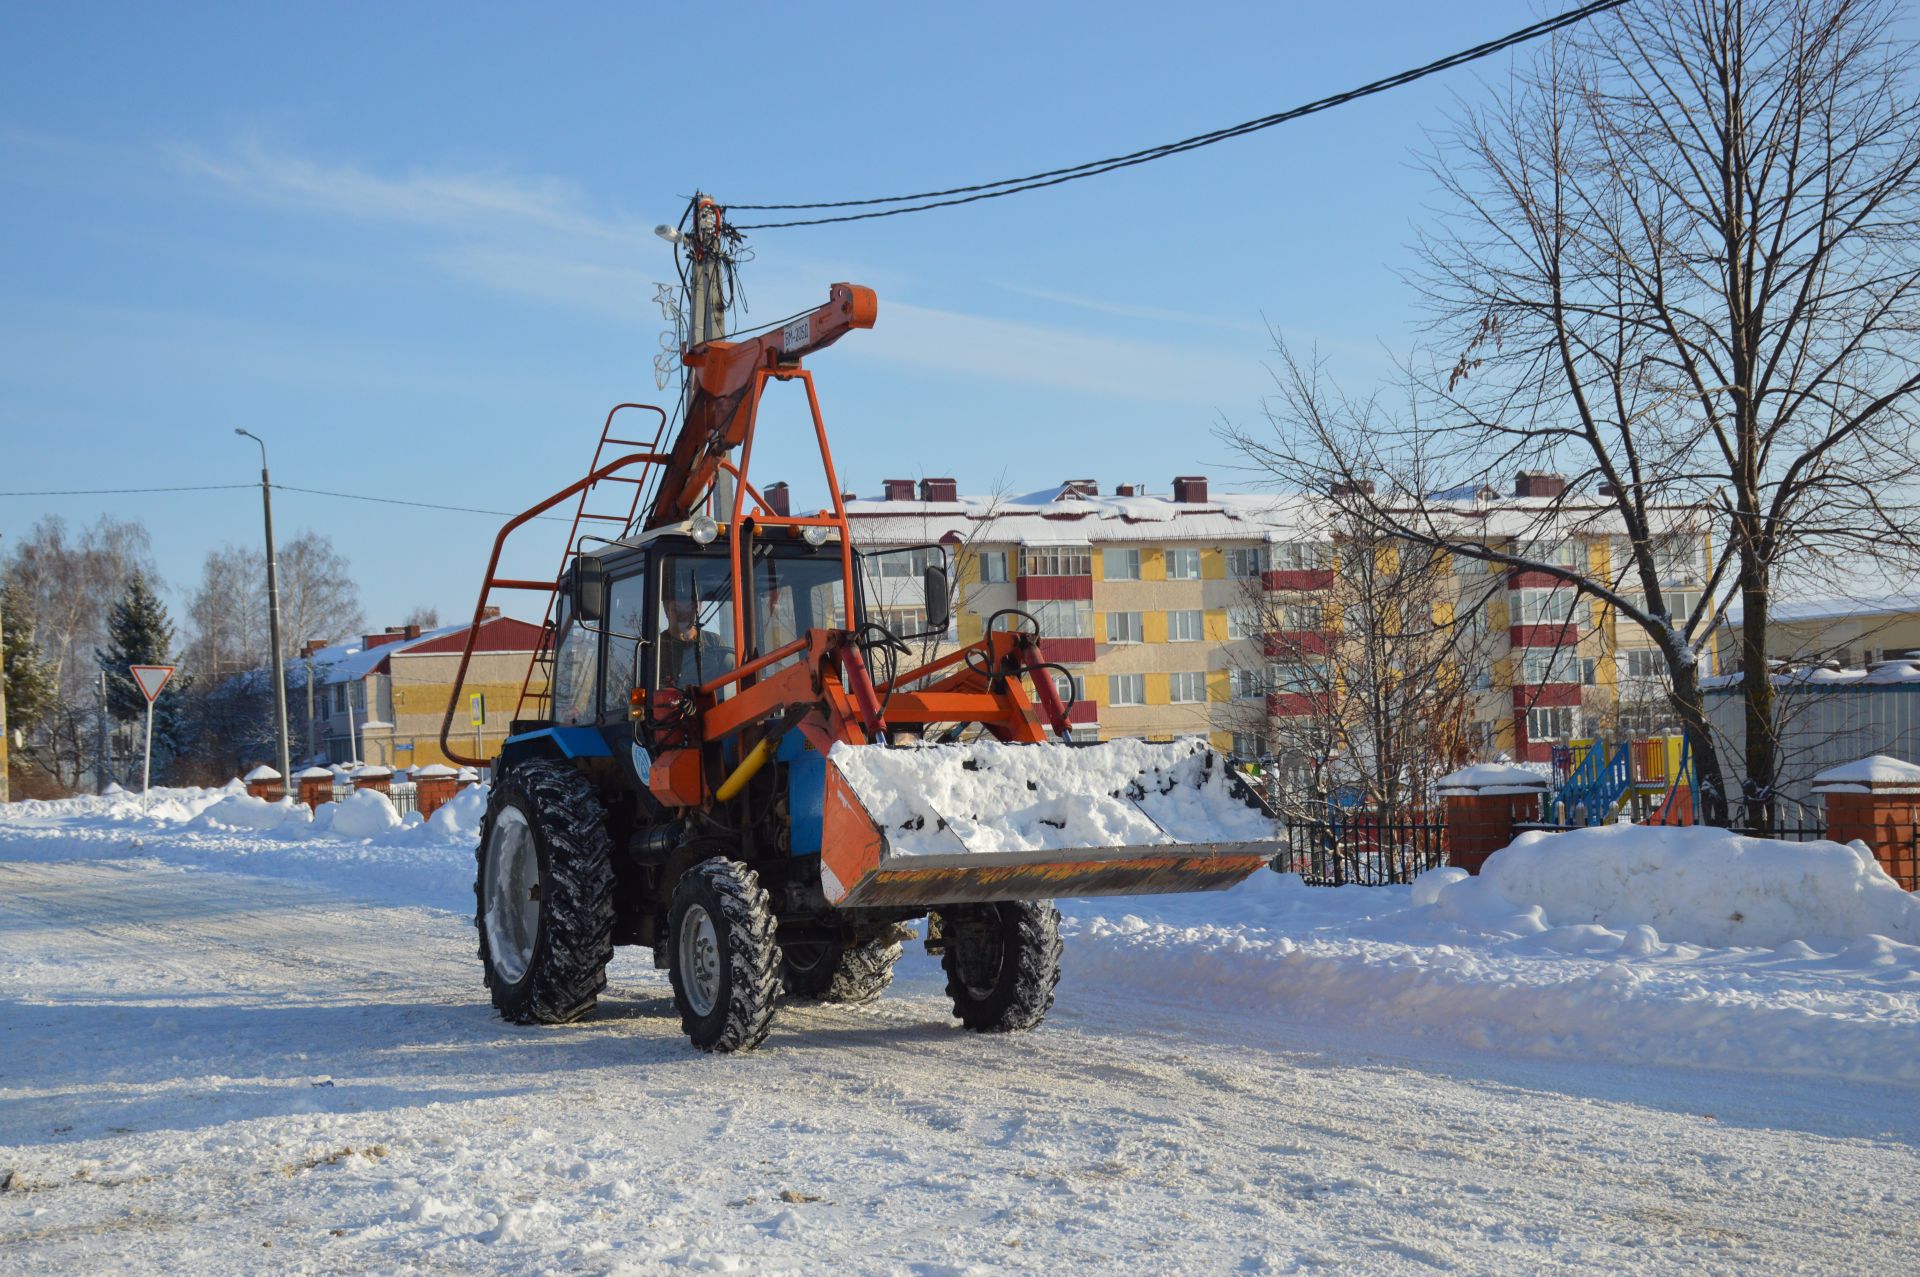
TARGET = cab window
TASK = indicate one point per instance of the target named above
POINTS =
(695, 622)
(794, 595)
(573, 669)
(625, 624)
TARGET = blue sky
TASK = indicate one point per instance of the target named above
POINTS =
(410, 245)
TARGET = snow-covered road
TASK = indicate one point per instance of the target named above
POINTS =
(212, 1072)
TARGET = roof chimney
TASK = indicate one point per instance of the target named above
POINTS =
(898, 489)
(1539, 483)
(312, 646)
(491, 612)
(1190, 488)
(939, 490)
(1081, 487)
(1364, 488)
(777, 498)
(1127, 490)
(1608, 490)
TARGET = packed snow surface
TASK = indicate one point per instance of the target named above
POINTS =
(989, 797)
(232, 1048)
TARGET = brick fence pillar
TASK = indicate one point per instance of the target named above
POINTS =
(433, 785)
(374, 776)
(1484, 803)
(1877, 801)
(264, 782)
(315, 786)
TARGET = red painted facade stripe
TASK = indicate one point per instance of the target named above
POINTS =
(1084, 711)
(1298, 643)
(1069, 651)
(1293, 704)
(1298, 579)
(1053, 587)
(1544, 635)
(1524, 580)
(1525, 697)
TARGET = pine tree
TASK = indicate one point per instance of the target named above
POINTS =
(29, 679)
(140, 632)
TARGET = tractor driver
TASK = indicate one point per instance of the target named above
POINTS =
(689, 654)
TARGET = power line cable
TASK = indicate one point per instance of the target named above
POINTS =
(1093, 168)
(103, 492)
(419, 505)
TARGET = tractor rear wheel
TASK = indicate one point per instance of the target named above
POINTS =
(543, 894)
(1002, 963)
(726, 964)
(828, 971)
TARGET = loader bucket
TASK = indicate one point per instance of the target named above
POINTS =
(944, 824)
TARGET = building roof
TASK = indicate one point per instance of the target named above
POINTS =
(1067, 515)
(1833, 608)
(344, 662)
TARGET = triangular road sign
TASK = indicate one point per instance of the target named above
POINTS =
(151, 678)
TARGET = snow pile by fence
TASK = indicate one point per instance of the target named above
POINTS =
(1631, 944)
(988, 797)
(1697, 885)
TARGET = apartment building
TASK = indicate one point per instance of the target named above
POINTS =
(382, 699)
(1194, 612)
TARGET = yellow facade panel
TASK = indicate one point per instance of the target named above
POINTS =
(1216, 625)
(1213, 565)
(1153, 627)
(1158, 690)
(1153, 565)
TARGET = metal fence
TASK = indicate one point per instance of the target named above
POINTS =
(1333, 846)
(402, 793)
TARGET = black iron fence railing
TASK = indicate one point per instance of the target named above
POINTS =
(1335, 847)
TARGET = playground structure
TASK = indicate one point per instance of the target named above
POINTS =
(1651, 780)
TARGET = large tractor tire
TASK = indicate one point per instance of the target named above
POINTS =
(543, 895)
(830, 972)
(726, 964)
(1002, 963)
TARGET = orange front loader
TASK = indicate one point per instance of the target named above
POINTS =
(724, 753)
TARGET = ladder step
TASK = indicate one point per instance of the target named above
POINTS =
(605, 518)
(631, 443)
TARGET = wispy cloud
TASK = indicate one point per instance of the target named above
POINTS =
(462, 202)
(543, 238)
(1129, 310)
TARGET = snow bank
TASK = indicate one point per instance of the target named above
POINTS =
(1700, 886)
(368, 813)
(989, 797)
(458, 819)
(243, 811)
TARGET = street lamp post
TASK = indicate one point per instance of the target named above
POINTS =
(273, 622)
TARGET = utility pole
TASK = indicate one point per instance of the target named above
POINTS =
(313, 747)
(103, 769)
(273, 623)
(706, 307)
(6, 743)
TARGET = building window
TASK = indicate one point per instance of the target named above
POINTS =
(1246, 685)
(1550, 722)
(1123, 627)
(1057, 560)
(1243, 622)
(1300, 616)
(1121, 565)
(1296, 676)
(1466, 565)
(1249, 745)
(1300, 556)
(1645, 662)
(993, 567)
(1183, 565)
(1680, 559)
(1548, 665)
(1186, 627)
(1084, 735)
(1060, 618)
(339, 698)
(1543, 607)
(1126, 689)
(1482, 679)
(1187, 688)
(1559, 553)
(1589, 672)
(1069, 688)
(1244, 561)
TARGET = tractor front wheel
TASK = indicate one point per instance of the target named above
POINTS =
(1002, 963)
(543, 894)
(725, 962)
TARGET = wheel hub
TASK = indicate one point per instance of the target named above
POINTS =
(699, 954)
(512, 892)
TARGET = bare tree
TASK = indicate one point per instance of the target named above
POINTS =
(1366, 672)
(319, 599)
(427, 618)
(1679, 264)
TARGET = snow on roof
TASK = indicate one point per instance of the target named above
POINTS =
(313, 773)
(1882, 771)
(1879, 674)
(1064, 515)
(433, 771)
(1832, 608)
(353, 659)
(262, 772)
